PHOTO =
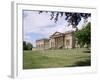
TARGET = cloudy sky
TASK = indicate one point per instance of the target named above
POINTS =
(37, 26)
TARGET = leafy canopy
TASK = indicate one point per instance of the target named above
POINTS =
(83, 36)
(72, 18)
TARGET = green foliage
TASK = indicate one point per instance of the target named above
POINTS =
(83, 36)
(27, 46)
(24, 45)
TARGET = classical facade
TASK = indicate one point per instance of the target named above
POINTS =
(57, 40)
(42, 44)
(62, 40)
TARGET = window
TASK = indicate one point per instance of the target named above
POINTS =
(67, 42)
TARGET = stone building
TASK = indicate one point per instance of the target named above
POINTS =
(62, 40)
(42, 44)
(57, 40)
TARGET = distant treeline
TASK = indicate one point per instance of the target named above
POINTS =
(27, 46)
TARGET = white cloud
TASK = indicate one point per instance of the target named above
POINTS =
(33, 21)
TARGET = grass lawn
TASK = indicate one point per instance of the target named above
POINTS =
(56, 58)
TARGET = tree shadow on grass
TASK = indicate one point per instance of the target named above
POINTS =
(87, 51)
(86, 62)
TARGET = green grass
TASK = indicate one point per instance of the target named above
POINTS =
(56, 58)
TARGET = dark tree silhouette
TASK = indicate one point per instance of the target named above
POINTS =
(72, 18)
(24, 45)
(27, 46)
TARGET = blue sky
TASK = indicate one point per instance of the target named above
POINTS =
(37, 26)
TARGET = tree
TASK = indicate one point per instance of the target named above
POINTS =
(83, 36)
(71, 17)
(24, 45)
(27, 46)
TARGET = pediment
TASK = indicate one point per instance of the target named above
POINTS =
(57, 34)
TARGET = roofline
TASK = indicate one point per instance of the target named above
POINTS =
(42, 39)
